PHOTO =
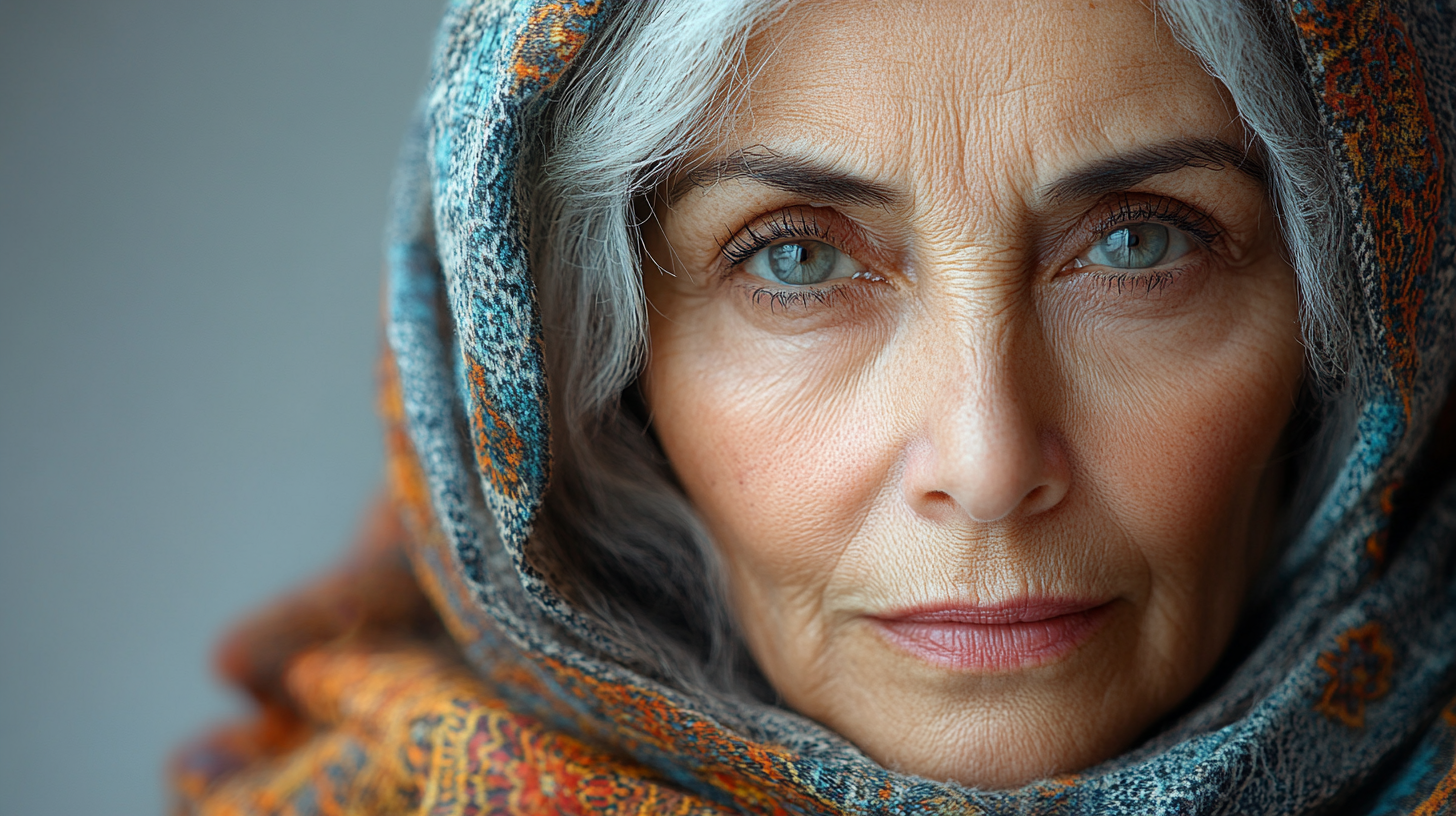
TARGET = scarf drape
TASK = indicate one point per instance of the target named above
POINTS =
(437, 673)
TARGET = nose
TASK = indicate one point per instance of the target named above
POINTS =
(985, 449)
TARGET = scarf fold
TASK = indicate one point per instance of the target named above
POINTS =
(437, 673)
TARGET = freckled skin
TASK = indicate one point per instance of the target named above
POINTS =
(980, 419)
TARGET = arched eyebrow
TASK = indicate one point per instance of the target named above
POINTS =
(1127, 170)
(798, 176)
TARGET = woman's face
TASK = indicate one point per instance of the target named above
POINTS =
(972, 342)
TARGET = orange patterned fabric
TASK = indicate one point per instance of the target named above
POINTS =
(407, 729)
(361, 721)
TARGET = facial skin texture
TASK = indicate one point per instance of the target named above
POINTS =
(975, 419)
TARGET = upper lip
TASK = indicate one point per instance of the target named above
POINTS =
(1016, 610)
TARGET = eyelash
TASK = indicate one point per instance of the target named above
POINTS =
(781, 225)
(1148, 282)
(1128, 210)
(772, 299)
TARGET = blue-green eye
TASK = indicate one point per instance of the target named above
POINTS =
(1138, 246)
(801, 263)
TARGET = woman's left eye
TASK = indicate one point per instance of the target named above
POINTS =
(801, 263)
(1137, 246)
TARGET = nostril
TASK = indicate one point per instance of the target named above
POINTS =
(1039, 499)
(938, 504)
(970, 467)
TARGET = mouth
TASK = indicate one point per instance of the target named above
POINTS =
(1016, 634)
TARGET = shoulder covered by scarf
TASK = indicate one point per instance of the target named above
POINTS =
(437, 673)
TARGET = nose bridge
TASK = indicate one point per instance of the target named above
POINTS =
(986, 447)
(976, 375)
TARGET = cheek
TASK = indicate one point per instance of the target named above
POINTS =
(1173, 433)
(773, 439)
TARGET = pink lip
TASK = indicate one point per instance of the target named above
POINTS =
(1015, 634)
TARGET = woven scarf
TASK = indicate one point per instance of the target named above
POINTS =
(437, 673)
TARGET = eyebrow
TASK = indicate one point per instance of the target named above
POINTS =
(1129, 169)
(820, 183)
(799, 176)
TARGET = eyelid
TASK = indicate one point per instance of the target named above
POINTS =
(1127, 209)
(764, 230)
(803, 221)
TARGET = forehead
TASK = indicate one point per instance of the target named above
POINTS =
(986, 94)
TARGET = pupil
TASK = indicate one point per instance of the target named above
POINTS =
(790, 263)
(1136, 247)
(788, 256)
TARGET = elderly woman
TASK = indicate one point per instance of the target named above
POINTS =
(892, 406)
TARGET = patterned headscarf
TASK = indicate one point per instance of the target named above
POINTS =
(1345, 703)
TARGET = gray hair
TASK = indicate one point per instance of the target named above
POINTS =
(616, 534)
(1251, 48)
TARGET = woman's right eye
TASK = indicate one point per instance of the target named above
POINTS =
(801, 263)
(1139, 246)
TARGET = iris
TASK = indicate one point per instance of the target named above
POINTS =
(1138, 246)
(799, 263)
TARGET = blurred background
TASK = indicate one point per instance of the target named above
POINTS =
(191, 202)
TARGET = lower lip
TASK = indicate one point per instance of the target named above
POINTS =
(994, 639)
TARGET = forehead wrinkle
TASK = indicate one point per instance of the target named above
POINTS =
(971, 180)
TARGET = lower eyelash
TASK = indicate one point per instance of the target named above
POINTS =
(773, 299)
(1148, 283)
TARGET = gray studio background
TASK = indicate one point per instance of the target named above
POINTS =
(191, 199)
